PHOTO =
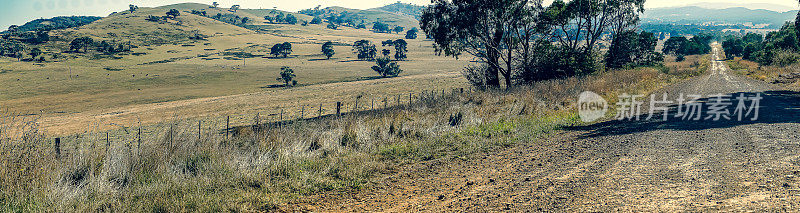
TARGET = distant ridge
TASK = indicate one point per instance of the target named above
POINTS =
(752, 6)
(699, 15)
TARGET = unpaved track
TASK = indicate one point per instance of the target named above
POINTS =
(616, 166)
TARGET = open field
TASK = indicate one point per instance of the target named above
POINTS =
(70, 93)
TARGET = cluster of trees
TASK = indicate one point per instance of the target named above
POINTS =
(777, 48)
(282, 50)
(282, 18)
(61, 22)
(400, 49)
(381, 27)
(681, 46)
(171, 14)
(633, 49)
(231, 19)
(524, 41)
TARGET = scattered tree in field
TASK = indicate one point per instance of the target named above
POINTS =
(365, 50)
(286, 49)
(386, 53)
(214, 5)
(316, 20)
(35, 52)
(133, 8)
(81, 43)
(270, 19)
(245, 20)
(283, 49)
(290, 19)
(280, 18)
(400, 49)
(332, 26)
(287, 76)
(381, 27)
(173, 13)
(412, 33)
(399, 29)
(362, 25)
(633, 49)
(386, 68)
(235, 8)
(327, 49)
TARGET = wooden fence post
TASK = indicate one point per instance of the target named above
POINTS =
(227, 126)
(385, 102)
(409, 99)
(58, 148)
(108, 143)
(139, 140)
(257, 127)
(320, 110)
(355, 107)
(373, 104)
(302, 112)
(338, 108)
(199, 125)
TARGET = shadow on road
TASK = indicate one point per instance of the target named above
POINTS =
(776, 107)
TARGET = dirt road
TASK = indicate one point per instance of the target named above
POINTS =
(674, 165)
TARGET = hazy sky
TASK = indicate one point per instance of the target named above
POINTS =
(20, 11)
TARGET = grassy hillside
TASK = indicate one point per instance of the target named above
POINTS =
(127, 26)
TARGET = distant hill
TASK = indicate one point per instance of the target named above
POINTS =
(699, 15)
(134, 27)
(394, 15)
(752, 6)
(57, 23)
(402, 9)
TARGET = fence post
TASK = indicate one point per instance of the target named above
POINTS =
(462, 90)
(409, 99)
(373, 104)
(385, 102)
(302, 112)
(338, 108)
(227, 126)
(257, 127)
(58, 148)
(199, 125)
(355, 107)
(139, 144)
(108, 143)
(320, 110)
(280, 122)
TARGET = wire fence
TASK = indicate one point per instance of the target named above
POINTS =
(227, 126)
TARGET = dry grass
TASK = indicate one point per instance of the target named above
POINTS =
(174, 169)
(769, 74)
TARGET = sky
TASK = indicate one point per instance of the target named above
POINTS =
(18, 12)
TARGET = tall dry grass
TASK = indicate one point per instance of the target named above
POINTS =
(173, 169)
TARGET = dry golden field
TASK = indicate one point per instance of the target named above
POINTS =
(190, 78)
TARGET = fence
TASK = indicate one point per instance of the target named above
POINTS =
(229, 125)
